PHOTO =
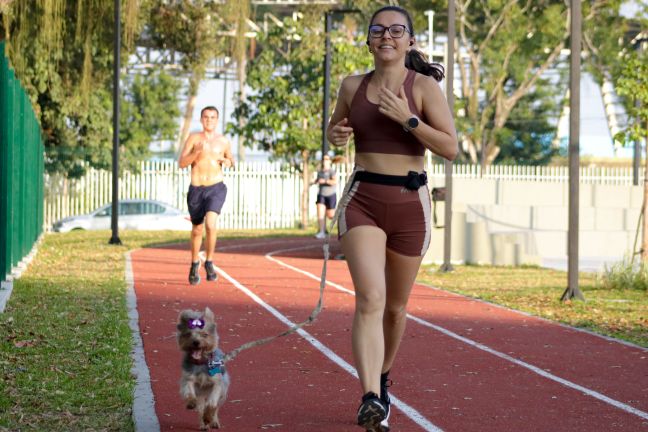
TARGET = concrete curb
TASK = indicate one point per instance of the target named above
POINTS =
(144, 416)
(6, 286)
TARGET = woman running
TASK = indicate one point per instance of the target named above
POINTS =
(395, 113)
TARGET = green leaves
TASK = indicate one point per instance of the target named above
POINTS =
(283, 112)
(632, 85)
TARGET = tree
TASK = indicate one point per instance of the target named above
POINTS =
(149, 113)
(63, 53)
(527, 136)
(632, 84)
(283, 110)
(188, 28)
(505, 47)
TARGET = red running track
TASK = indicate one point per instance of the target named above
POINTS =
(464, 365)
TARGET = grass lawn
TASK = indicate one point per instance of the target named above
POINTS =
(621, 313)
(65, 348)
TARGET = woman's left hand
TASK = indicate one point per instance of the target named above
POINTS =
(394, 106)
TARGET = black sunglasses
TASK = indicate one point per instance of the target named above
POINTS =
(395, 30)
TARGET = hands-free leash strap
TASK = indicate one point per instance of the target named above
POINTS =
(412, 181)
(318, 307)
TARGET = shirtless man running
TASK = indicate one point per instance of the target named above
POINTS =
(207, 152)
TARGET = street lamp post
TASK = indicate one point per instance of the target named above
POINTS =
(328, 18)
(327, 79)
(114, 239)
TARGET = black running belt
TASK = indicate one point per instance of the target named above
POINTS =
(412, 180)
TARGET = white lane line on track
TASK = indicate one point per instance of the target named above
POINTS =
(620, 405)
(414, 415)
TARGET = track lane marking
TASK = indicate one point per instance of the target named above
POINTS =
(592, 393)
(409, 411)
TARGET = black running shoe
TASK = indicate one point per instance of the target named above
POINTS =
(385, 383)
(371, 413)
(194, 277)
(211, 271)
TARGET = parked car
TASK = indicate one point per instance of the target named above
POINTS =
(133, 214)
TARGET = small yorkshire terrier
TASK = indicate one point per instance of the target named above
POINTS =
(204, 381)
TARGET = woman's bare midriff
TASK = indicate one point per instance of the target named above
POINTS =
(389, 164)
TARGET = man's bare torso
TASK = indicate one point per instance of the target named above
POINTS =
(207, 168)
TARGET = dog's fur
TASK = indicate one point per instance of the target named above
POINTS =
(197, 388)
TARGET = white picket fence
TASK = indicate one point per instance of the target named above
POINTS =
(263, 195)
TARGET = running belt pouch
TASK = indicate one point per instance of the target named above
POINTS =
(412, 181)
(415, 180)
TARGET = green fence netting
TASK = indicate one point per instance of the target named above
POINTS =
(21, 171)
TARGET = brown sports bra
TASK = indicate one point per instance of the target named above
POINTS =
(374, 132)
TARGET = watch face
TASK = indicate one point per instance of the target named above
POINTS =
(412, 122)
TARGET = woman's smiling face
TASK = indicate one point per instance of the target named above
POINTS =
(388, 47)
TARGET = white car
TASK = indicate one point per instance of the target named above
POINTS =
(133, 214)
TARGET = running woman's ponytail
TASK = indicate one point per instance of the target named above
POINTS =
(415, 59)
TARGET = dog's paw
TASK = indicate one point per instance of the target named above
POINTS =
(215, 424)
(204, 427)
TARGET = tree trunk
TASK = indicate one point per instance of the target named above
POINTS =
(305, 186)
(240, 51)
(240, 72)
(188, 115)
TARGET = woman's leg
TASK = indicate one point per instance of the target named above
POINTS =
(364, 249)
(321, 222)
(400, 273)
(330, 214)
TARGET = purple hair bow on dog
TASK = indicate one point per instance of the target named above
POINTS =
(196, 323)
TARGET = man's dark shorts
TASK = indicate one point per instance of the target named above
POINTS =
(201, 199)
(328, 201)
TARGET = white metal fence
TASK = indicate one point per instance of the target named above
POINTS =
(263, 195)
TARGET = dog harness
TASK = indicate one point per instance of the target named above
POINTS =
(215, 364)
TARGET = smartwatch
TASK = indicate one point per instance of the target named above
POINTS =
(411, 123)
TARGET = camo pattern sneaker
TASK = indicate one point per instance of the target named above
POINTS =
(194, 277)
(371, 413)
(211, 271)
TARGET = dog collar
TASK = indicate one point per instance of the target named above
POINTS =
(215, 363)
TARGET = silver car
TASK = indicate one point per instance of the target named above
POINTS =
(133, 214)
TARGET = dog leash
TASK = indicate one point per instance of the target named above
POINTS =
(318, 307)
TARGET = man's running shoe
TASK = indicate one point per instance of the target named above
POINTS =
(194, 277)
(385, 383)
(371, 413)
(211, 271)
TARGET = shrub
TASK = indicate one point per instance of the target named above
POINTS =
(625, 275)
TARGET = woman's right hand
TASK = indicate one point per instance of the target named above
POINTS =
(340, 133)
